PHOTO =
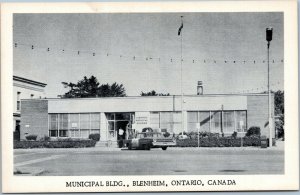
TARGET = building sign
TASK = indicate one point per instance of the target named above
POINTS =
(74, 125)
(141, 120)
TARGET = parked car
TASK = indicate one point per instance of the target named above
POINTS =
(148, 139)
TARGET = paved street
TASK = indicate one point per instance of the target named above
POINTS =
(174, 161)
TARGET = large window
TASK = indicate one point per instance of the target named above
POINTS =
(241, 122)
(63, 125)
(95, 123)
(177, 128)
(74, 125)
(154, 120)
(192, 119)
(170, 121)
(204, 119)
(85, 125)
(53, 125)
(217, 121)
(228, 121)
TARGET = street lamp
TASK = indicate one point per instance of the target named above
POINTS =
(269, 33)
(181, 92)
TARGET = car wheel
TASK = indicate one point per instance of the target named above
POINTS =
(129, 146)
(164, 148)
(146, 147)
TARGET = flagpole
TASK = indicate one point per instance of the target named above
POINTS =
(182, 122)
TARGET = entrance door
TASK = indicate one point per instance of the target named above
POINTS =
(121, 125)
(116, 122)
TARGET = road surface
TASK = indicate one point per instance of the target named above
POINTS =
(174, 161)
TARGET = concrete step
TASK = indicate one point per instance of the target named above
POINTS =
(111, 144)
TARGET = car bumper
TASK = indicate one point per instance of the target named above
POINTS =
(157, 144)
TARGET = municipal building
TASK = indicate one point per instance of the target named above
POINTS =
(79, 117)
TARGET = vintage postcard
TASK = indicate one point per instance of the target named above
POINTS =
(157, 96)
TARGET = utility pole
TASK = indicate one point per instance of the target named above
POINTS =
(181, 91)
(269, 32)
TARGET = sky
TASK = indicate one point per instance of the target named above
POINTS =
(142, 51)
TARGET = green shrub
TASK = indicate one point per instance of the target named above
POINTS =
(253, 131)
(234, 134)
(214, 141)
(55, 144)
(31, 137)
(94, 136)
(252, 140)
(45, 138)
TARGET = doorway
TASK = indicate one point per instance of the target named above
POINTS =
(116, 123)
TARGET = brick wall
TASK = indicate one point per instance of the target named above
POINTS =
(34, 118)
(258, 114)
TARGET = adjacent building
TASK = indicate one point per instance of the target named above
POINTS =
(24, 88)
(79, 117)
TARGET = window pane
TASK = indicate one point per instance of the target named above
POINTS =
(95, 121)
(53, 122)
(177, 117)
(84, 121)
(241, 121)
(84, 133)
(63, 121)
(74, 121)
(166, 120)
(192, 119)
(110, 116)
(176, 128)
(170, 121)
(94, 131)
(228, 121)
(154, 120)
(204, 121)
(216, 121)
(74, 133)
(123, 116)
(53, 133)
(63, 133)
(111, 125)
(192, 127)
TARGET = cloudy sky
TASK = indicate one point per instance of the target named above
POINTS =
(142, 51)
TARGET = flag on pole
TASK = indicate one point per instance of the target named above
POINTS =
(179, 30)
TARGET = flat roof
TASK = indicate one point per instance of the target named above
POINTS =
(135, 97)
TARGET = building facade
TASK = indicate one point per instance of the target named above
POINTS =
(23, 89)
(79, 117)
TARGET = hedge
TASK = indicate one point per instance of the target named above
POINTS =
(220, 142)
(31, 137)
(94, 136)
(55, 144)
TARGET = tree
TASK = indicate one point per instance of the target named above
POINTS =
(279, 112)
(153, 93)
(279, 102)
(90, 87)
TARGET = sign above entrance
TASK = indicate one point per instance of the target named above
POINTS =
(141, 120)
